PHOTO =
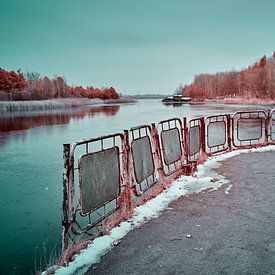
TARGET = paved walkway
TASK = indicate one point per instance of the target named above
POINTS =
(231, 233)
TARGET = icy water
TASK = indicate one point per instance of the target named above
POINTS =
(31, 170)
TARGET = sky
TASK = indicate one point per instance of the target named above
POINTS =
(142, 46)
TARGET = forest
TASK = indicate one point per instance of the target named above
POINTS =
(256, 81)
(16, 86)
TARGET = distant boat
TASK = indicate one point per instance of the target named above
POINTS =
(176, 99)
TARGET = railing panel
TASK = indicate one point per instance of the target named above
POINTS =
(171, 145)
(194, 139)
(248, 128)
(216, 134)
(171, 136)
(98, 171)
(99, 179)
(143, 158)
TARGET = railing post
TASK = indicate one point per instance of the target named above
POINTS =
(203, 136)
(127, 169)
(185, 137)
(229, 139)
(267, 126)
(125, 157)
(232, 131)
(156, 146)
(66, 204)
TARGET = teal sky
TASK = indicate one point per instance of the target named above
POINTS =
(146, 46)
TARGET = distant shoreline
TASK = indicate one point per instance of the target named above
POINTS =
(242, 101)
(66, 103)
(57, 103)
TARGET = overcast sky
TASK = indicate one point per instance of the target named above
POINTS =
(145, 46)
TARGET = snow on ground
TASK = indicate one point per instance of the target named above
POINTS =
(204, 179)
(226, 191)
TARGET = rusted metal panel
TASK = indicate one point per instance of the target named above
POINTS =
(171, 145)
(90, 205)
(194, 140)
(99, 178)
(143, 159)
(249, 128)
(216, 133)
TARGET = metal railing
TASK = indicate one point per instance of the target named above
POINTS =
(117, 172)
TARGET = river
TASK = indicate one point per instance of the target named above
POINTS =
(31, 168)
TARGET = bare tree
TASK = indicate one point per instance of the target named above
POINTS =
(178, 91)
(32, 77)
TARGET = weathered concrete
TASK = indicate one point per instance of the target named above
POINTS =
(231, 233)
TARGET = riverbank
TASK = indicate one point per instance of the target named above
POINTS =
(59, 103)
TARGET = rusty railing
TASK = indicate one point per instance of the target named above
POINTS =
(106, 177)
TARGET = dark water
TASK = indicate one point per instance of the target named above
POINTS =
(31, 170)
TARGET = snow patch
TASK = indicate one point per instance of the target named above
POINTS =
(204, 179)
(226, 191)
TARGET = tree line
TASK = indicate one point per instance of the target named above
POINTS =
(256, 81)
(31, 86)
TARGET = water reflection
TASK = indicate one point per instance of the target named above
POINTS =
(176, 104)
(14, 122)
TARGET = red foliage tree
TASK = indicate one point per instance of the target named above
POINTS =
(257, 81)
(12, 83)
(262, 62)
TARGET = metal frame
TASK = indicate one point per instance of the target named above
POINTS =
(75, 209)
(164, 126)
(197, 122)
(257, 115)
(210, 149)
(143, 131)
(80, 183)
